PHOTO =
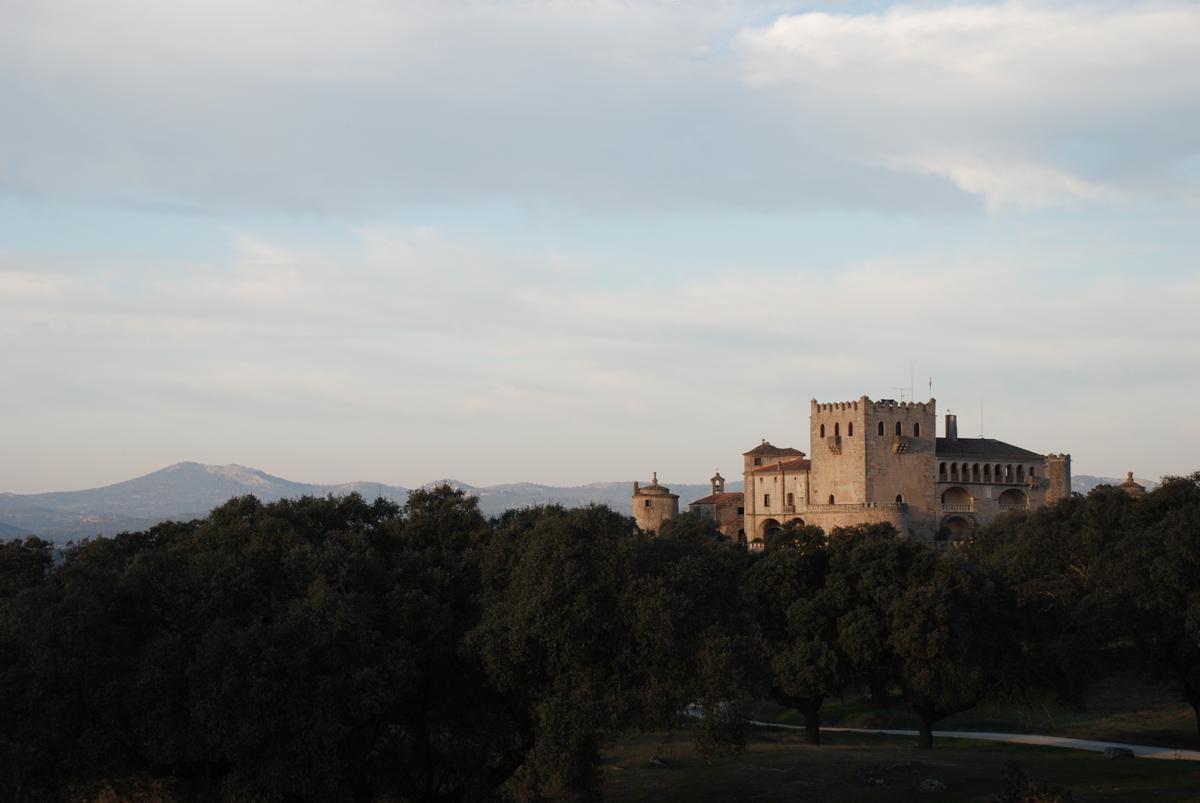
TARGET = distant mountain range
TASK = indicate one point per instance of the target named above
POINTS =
(189, 490)
(1084, 483)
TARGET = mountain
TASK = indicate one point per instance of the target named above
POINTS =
(1084, 483)
(189, 490)
(182, 491)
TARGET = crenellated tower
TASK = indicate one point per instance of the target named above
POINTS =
(1058, 472)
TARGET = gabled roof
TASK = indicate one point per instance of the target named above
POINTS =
(723, 498)
(794, 464)
(983, 449)
(766, 448)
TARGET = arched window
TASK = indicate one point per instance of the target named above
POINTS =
(941, 468)
(822, 430)
(837, 430)
(899, 428)
(899, 499)
(975, 473)
(1008, 475)
(917, 429)
(954, 472)
(987, 472)
(831, 499)
(881, 429)
(850, 430)
(1031, 472)
(1020, 473)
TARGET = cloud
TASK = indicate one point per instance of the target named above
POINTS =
(353, 109)
(414, 354)
(1022, 104)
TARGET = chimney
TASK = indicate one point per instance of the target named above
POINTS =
(952, 426)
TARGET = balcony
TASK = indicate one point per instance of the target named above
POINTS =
(1009, 507)
(961, 507)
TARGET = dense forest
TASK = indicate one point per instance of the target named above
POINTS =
(336, 649)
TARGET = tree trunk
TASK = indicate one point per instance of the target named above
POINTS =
(812, 724)
(878, 694)
(925, 739)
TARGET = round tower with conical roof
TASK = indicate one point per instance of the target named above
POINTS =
(653, 504)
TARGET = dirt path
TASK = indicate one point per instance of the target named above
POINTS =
(1139, 750)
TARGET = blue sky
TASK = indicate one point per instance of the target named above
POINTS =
(574, 241)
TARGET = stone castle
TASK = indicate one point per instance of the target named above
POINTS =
(872, 462)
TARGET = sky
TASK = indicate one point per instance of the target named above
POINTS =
(566, 242)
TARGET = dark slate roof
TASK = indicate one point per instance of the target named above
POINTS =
(795, 464)
(766, 448)
(724, 498)
(983, 449)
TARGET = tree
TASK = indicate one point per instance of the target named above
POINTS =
(868, 568)
(798, 620)
(1149, 585)
(952, 641)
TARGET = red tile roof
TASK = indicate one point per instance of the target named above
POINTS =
(765, 448)
(795, 464)
(725, 498)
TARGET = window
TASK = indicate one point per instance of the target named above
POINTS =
(822, 430)
(758, 461)
(647, 504)
(791, 499)
(850, 430)
(881, 429)
(941, 468)
(917, 430)
(899, 499)
(741, 511)
(899, 428)
(766, 500)
(831, 499)
(837, 430)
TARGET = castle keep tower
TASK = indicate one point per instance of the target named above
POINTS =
(875, 455)
(653, 504)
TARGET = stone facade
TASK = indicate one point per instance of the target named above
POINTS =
(882, 461)
(723, 508)
(653, 504)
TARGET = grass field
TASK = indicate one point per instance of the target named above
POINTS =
(1119, 709)
(778, 766)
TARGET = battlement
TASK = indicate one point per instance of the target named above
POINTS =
(881, 405)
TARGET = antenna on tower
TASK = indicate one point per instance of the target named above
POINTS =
(902, 392)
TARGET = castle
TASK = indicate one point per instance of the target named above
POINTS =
(872, 462)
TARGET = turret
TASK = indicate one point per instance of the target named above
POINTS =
(653, 504)
(1058, 473)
